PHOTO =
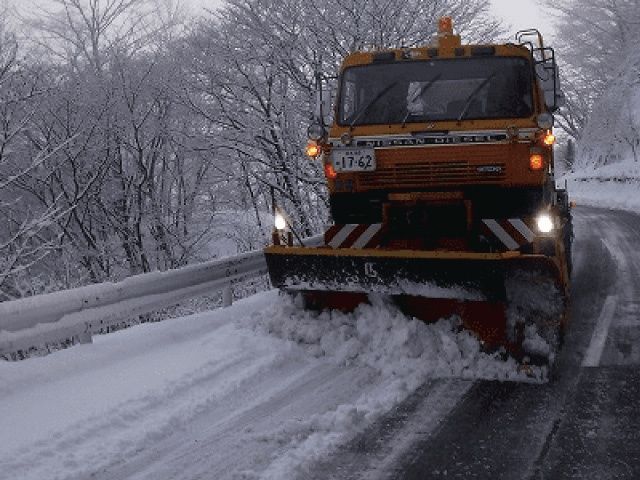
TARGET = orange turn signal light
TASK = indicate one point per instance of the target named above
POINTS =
(536, 161)
(329, 171)
(549, 139)
(313, 149)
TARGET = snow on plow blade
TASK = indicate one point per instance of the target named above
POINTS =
(496, 295)
(475, 276)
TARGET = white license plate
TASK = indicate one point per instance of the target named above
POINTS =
(353, 159)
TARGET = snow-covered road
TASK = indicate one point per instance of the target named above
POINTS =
(258, 390)
(584, 424)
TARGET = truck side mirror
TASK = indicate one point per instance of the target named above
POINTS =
(555, 95)
(323, 113)
(326, 110)
(549, 76)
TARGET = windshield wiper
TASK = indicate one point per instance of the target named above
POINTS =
(421, 92)
(371, 102)
(471, 97)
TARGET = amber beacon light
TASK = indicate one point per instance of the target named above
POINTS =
(445, 26)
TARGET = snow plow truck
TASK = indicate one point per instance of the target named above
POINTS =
(440, 169)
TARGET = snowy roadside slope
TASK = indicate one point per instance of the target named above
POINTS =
(614, 186)
(258, 390)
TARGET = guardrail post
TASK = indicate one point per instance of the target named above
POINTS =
(227, 296)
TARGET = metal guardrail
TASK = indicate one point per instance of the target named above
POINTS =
(81, 312)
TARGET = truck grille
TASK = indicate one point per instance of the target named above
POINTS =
(427, 174)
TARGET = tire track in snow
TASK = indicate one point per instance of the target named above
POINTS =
(375, 451)
(128, 427)
(213, 444)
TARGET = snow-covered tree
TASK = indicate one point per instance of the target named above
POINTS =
(26, 237)
(597, 39)
(612, 132)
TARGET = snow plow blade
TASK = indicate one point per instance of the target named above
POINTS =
(483, 289)
(401, 271)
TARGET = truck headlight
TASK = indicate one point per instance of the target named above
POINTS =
(544, 222)
(279, 221)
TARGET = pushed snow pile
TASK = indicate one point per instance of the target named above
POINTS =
(381, 337)
(535, 344)
(395, 355)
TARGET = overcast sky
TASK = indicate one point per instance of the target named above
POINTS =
(523, 14)
(520, 14)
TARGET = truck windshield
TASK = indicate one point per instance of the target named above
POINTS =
(447, 89)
